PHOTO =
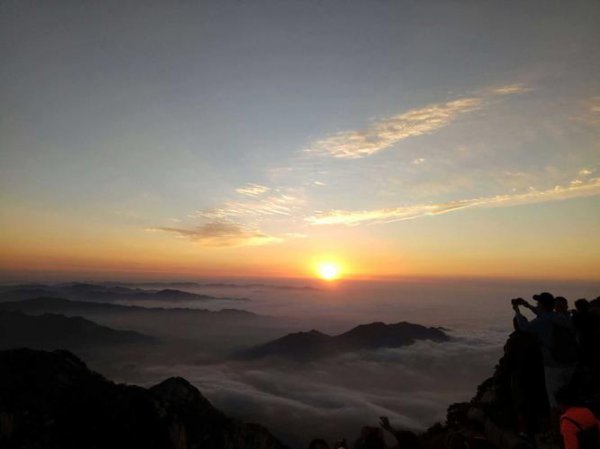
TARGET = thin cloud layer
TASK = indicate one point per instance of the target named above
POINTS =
(272, 205)
(236, 222)
(510, 89)
(221, 233)
(577, 188)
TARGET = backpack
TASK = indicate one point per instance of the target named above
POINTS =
(564, 344)
(587, 438)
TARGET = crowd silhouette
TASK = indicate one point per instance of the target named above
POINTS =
(545, 392)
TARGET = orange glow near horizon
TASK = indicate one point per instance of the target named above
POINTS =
(29, 252)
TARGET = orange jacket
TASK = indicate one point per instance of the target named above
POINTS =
(569, 430)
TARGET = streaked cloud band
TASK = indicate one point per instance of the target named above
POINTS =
(384, 133)
(222, 233)
(573, 190)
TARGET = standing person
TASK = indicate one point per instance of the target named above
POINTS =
(525, 369)
(587, 326)
(557, 341)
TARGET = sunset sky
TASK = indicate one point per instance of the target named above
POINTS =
(260, 138)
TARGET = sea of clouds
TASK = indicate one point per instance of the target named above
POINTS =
(335, 397)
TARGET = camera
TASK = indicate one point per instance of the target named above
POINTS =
(516, 301)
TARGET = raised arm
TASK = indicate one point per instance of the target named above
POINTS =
(520, 321)
(525, 304)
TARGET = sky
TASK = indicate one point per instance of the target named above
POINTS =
(260, 138)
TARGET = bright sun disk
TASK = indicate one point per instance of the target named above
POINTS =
(328, 271)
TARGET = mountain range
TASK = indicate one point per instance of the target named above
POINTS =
(225, 285)
(315, 344)
(73, 307)
(183, 330)
(101, 292)
(50, 331)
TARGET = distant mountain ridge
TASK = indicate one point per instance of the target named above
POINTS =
(68, 306)
(209, 331)
(226, 285)
(101, 292)
(53, 331)
(315, 344)
(51, 400)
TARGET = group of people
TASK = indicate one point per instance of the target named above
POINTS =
(557, 352)
(553, 364)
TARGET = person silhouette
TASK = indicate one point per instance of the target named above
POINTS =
(559, 366)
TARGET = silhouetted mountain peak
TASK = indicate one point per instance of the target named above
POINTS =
(300, 338)
(178, 391)
(52, 400)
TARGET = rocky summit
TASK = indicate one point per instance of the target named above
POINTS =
(52, 400)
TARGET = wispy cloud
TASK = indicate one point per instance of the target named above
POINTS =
(510, 89)
(577, 188)
(252, 190)
(280, 204)
(384, 133)
(237, 222)
(223, 233)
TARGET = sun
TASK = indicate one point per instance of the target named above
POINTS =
(328, 271)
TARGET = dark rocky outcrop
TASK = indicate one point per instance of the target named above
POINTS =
(315, 344)
(52, 400)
